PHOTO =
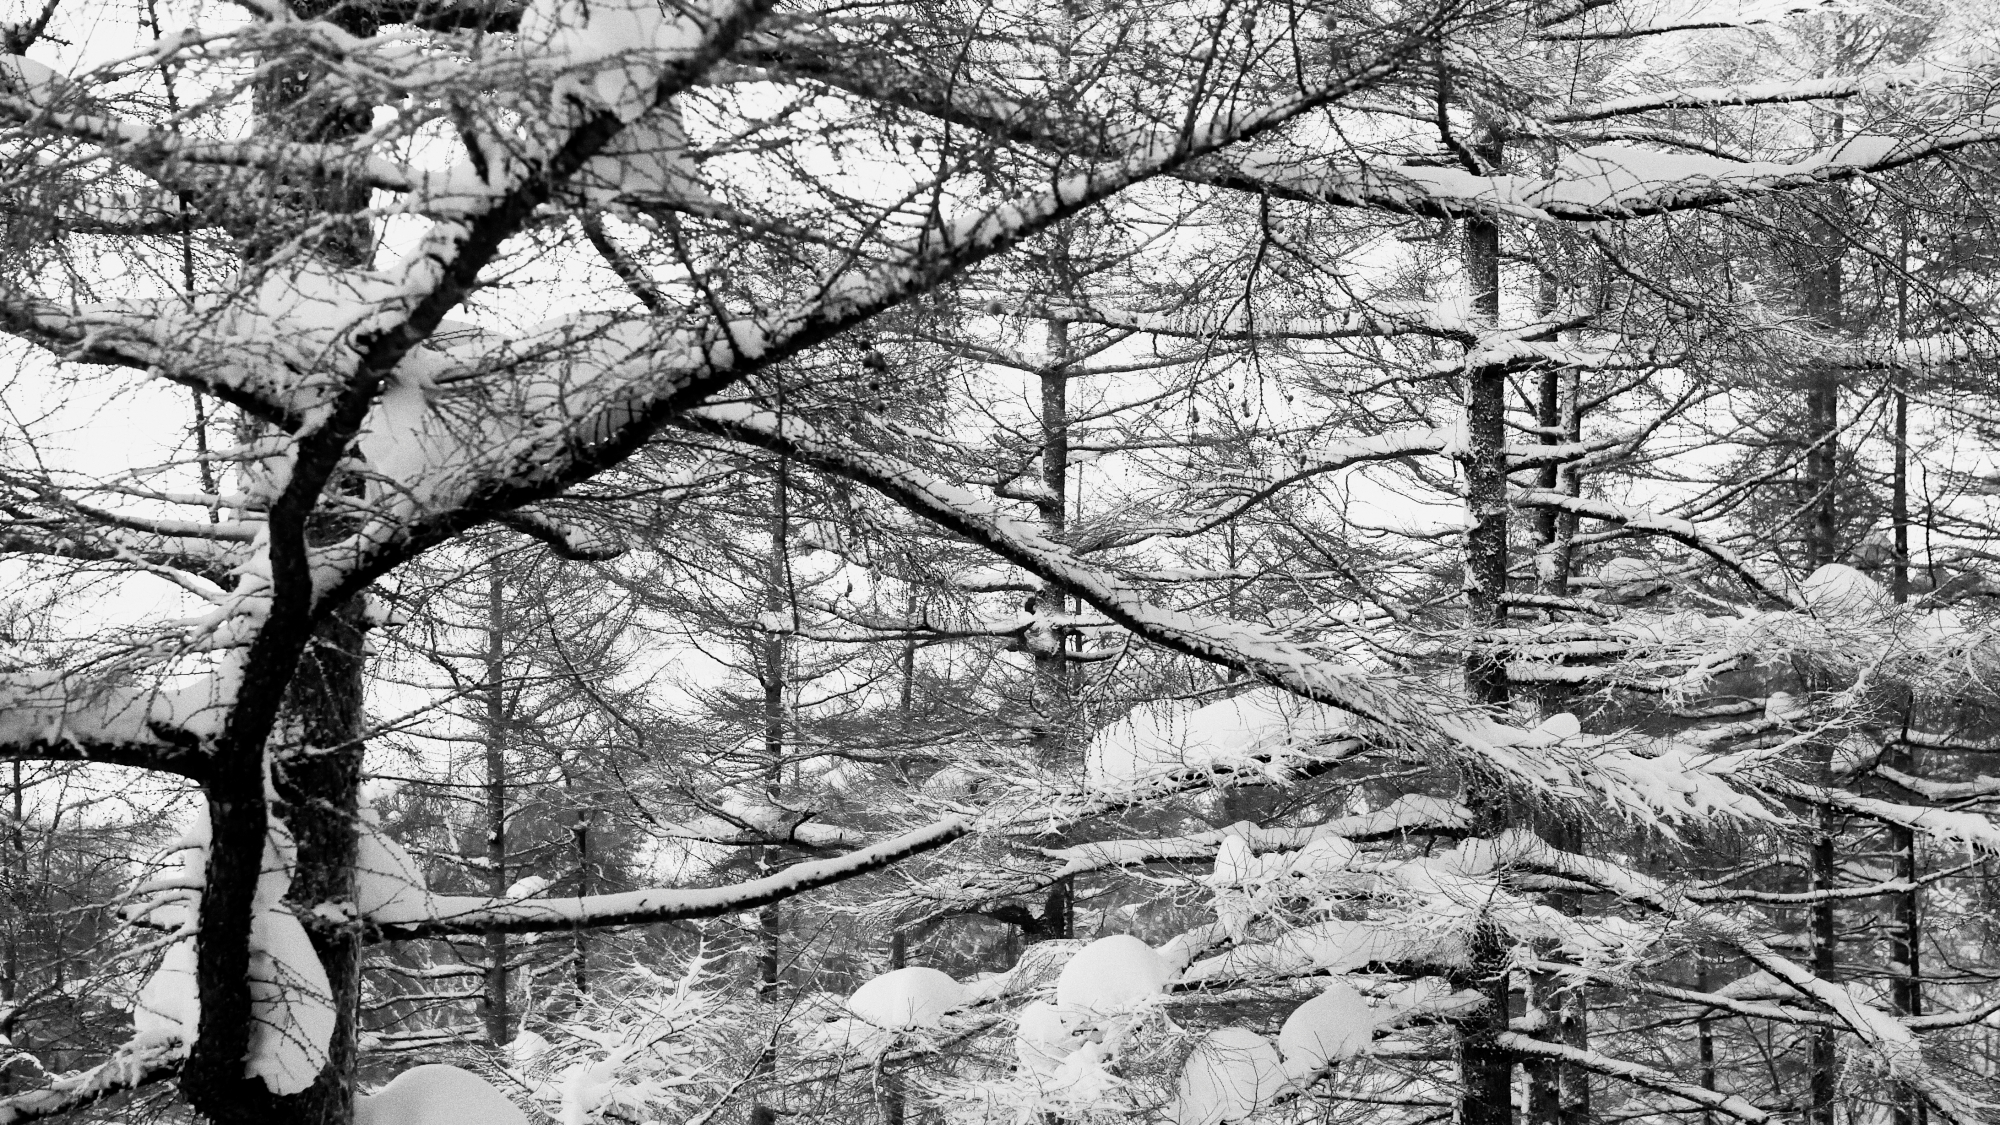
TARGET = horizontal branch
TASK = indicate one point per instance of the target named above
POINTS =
(1636, 1074)
(132, 1066)
(449, 915)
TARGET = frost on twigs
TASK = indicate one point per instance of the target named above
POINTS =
(652, 1050)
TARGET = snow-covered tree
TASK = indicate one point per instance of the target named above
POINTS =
(335, 288)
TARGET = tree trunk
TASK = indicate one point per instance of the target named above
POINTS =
(1823, 303)
(315, 751)
(319, 795)
(1055, 737)
(770, 920)
(497, 1016)
(1486, 1070)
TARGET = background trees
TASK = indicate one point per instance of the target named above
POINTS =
(1373, 492)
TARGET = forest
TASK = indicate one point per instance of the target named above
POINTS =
(1000, 562)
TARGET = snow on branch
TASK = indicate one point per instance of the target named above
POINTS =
(1377, 320)
(1408, 813)
(429, 916)
(1650, 523)
(139, 1063)
(1756, 93)
(1981, 786)
(1604, 183)
(1635, 1073)
(641, 381)
(569, 541)
(1970, 829)
(1402, 712)
(164, 728)
(158, 150)
(1891, 1043)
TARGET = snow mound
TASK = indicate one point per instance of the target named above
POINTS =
(527, 1047)
(436, 1094)
(1323, 856)
(1111, 976)
(1231, 1072)
(1261, 724)
(908, 999)
(1629, 572)
(1337, 1024)
(1783, 706)
(528, 887)
(1837, 590)
(1041, 1041)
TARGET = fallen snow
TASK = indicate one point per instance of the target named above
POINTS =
(1041, 1041)
(908, 999)
(1231, 1072)
(1246, 729)
(1337, 1024)
(1836, 591)
(436, 1094)
(1109, 977)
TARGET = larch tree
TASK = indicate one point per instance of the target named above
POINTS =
(343, 285)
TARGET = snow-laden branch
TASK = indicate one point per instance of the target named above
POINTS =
(1606, 183)
(1891, 1043)
(146, 147)
(1755, 93)
(1408, 813)
(1650, 523)
(133, 1065)
(640, 378)
(108, 719)
(1601, 184)
(429, 916)
(1945, 825)
(1377, 320)
(131, 335)
(1981, 786)
(1635, 1073)
(1402, 712)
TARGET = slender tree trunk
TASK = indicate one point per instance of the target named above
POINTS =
(895, 1105)
(1705, 1037)
(770, 919)
(1486, 1070)
(1823, 303)
(1054, 738)
(1906, 990)
(496, 799)
(580, 837)
(1558, 1092)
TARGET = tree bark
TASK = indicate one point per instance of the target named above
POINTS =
(1486, 1069)
(770, 920)
(497, 1016)
(1055, 740)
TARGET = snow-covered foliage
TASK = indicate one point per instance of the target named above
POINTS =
(1149, 519)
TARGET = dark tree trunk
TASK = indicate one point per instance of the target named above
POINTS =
(319, 794)
(1486, 1070)
(495, 983)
